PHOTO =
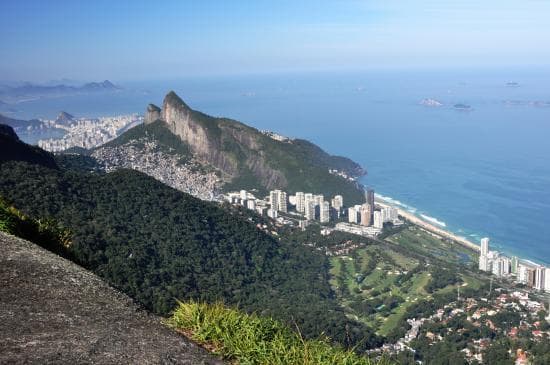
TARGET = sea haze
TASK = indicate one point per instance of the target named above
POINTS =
(481, 172)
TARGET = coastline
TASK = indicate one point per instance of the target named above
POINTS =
(428, 226)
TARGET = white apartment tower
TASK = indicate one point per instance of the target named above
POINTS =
(278, 201)
(300, 202)
(378, 220)
(483, 263)
(310, 210)
(274, 199)
(282, 202)
(366, 215)
(324, 212)
(338, 202)
(319, 199)
(539, 277)
(497, 267)
(522, 274)
(484, 246)
(352, 215)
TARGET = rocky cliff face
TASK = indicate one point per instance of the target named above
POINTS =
(229, 147)
(152, 114)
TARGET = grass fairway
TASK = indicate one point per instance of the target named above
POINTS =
(377, 284)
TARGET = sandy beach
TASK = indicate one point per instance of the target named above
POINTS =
(430, 227)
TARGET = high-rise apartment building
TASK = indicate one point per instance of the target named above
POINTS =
(483, 263)
(370, 202)
(522, 275)
(366, 215)
(539, 277)
(324, 212)
(282, 202)
(278, 200)
(338, 202)
(274, 199)
(319, 199)
(310, 209)
(352, 215)
(378, 222)
(300, 202)
(484, 246)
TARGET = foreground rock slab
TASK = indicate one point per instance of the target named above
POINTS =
(53, 311)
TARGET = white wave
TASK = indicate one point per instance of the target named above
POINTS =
(392, 201)
(433, 220)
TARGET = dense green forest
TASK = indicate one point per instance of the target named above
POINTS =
(158, 245)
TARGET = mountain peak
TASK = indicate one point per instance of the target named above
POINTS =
(174, 100)
(152, 114)
(64, 118)
(108, 84)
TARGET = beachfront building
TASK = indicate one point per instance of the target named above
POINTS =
(370, 200)
(484, 262)
(359, 230)
(484, 246)
(514, 265)
(378, 222)
(366, 215)
(523, 275)
(353, 215)
(547, 281)
(539, 277)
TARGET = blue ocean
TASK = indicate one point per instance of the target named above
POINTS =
(478, 171)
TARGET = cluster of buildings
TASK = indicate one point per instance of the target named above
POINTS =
(147, 156)
(364, 220)
(89, 133)
(527, 273)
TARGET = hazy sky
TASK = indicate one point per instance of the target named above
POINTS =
(124, 40)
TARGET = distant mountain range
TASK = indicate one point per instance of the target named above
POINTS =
(15, 94)
(19, 125)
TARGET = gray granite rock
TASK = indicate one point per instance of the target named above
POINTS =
(54, 311)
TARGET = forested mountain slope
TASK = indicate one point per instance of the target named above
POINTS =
(157, 245)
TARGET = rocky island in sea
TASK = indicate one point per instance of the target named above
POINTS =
(462, 107)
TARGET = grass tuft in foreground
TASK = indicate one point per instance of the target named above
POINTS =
(45, 232)
(250, 339)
